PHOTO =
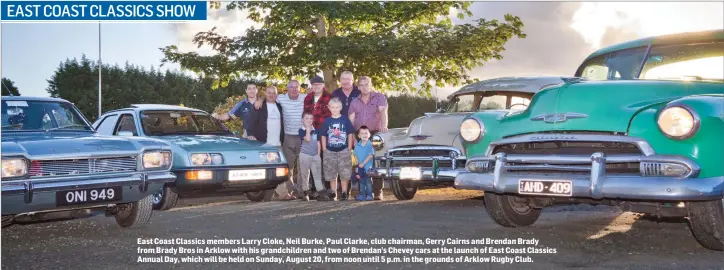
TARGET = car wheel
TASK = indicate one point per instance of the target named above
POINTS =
(7, 220)
(164, 199)
(261, 195)
(403, 189)
(707, 223)
(510, 211)
(136, 214)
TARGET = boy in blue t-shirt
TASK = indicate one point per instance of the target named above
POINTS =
(309, 158)
(337, 132)
(364, 153)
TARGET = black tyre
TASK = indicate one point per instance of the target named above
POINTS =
(261, 195)
(7, 220)
(136, 214)
(403, 189)
(164, 199)
(509, 211)
(707, 223)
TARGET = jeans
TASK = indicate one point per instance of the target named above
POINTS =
(365, 186)
(311, 164)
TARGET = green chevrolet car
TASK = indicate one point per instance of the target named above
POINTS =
(640, 128)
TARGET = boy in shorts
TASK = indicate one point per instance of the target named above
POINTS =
(337, 134)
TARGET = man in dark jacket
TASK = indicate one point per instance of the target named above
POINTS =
(269, 129)
(268, 120)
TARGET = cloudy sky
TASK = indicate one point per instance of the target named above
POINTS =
(560, 36)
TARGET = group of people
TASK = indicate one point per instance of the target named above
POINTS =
(318, 130)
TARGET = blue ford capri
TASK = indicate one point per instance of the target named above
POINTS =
(208, 158)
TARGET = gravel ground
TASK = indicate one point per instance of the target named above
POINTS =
(583, 236)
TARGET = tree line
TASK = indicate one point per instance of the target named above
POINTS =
(76, 80)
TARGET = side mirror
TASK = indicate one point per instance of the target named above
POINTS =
(125, 133)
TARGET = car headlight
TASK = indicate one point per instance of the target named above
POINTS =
(157, 160)
(206, 159)
(270, 157)
(14, 167)
(378, 142)
(678, 122)
(471, 130)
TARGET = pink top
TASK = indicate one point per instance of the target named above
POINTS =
(368, 114)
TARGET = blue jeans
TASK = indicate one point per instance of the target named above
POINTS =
(365, 186)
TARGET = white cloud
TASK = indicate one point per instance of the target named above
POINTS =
(593, 20)
(228, 23)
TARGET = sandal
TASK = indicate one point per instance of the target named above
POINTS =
(289, 197)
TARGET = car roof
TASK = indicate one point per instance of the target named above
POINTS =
(146, 107)
(679, 38)
(31, 98)
(531, 84)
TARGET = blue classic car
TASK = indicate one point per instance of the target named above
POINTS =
(55, 166)
(208, 158)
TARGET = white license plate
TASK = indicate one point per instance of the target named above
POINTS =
(410, 173)
(546, 187)
(241, 175)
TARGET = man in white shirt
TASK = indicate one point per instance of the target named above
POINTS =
(269, 130)
(293, 106)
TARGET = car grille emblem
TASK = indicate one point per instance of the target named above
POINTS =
(557, 117)
(420, 137)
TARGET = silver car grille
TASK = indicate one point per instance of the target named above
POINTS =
(423, 157)
(555, 148)
(41, 168)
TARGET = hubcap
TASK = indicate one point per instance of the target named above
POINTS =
(406, 186)
(158, 196)
(518, 205)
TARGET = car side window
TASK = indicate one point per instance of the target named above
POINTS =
(107, 124)
(595, 69)
(495, 102)
(126, 123)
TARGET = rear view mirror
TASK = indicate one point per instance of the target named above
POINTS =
(125, 133)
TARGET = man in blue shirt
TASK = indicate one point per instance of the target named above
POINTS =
(243, 110)
(347, 92)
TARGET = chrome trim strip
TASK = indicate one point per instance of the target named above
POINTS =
(28, 187)
(408, 148)
(642, 144)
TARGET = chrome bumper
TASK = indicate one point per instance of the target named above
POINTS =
(428, 174)
(598, 184)
(386, 168)
(29, 195)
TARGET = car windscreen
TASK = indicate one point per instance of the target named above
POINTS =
(28, 115)
(461, 103)
(160, 123)
(701, 62)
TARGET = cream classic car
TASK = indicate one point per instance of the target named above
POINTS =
(429, 152)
